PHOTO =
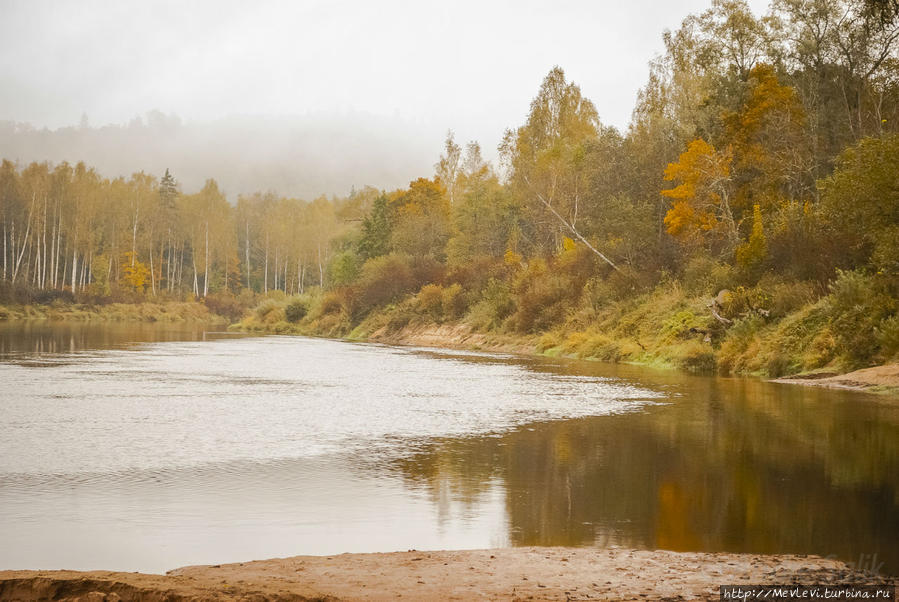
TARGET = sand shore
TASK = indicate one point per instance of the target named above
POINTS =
(501, 574)
(879, 379)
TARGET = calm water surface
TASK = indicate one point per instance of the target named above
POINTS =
(149, 447)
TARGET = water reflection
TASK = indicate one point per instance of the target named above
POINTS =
(732, 465)
(183, 453)
(30, 341)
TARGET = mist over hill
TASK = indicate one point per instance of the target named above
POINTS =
(300, 156)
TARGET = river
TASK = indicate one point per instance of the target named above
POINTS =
(146, 447)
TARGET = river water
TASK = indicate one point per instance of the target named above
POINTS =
(145, 447)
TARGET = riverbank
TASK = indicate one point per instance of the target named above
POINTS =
(879, 379)
(882, 380)
(500, 574)
(382, 327)
(170, 311)
(773, 331)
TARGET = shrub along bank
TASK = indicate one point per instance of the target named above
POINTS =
(696, 322)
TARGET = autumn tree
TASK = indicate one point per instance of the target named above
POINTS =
(701, 211)
(206, 215)
(420, 219)
(545, 159)
(135, 274)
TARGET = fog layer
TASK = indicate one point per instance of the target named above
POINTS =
(304, 157)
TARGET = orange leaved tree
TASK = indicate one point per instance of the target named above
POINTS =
(701, 210)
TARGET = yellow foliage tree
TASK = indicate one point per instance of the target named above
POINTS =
(770, 146)
(701, 200)
(135, 273)
(420, 217)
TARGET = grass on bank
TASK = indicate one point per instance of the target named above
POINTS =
(772, 329)
(166, 312)
(22, 302)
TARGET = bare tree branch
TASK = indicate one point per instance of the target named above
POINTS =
(570, 227)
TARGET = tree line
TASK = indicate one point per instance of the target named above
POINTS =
(760, 147)
(65, 227)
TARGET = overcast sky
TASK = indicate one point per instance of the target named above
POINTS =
(469, 65)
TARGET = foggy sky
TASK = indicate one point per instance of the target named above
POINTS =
(469, 65)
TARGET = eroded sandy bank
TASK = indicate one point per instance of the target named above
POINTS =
(502, 574)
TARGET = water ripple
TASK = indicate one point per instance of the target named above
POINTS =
(187, 404)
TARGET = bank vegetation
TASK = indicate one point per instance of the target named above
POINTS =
(747, 220)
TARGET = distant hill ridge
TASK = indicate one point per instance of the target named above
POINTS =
(300, 156)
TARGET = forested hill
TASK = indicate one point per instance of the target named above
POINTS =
(304, 156)
(747, 220)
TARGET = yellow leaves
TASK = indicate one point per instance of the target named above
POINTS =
(688, 160)
(769, 96)
(767, 135)
(703, 174)
(679, 218)
(698, 166)
(419, 218)
(683, 192)
(136, 274)
(424, 197)
(569, 253)
(512, 259)
(707, 222)
(683, 221)
(715, 189)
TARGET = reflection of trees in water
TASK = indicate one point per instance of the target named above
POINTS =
(735, 465)
(460, 472)
(49, 337)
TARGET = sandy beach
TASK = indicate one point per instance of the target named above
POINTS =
(883, 379)
(499, 574)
